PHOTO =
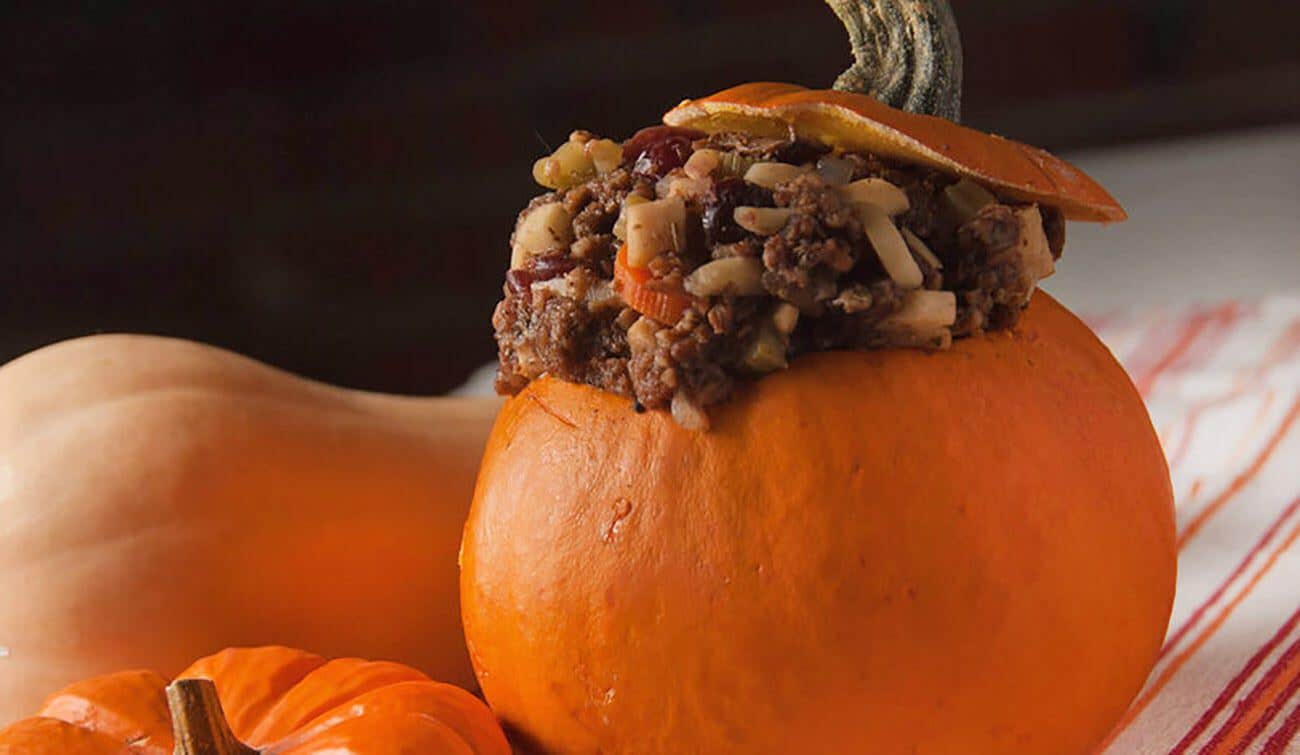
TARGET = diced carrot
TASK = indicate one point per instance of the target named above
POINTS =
(633, 284)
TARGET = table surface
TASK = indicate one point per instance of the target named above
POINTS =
(1210, 219)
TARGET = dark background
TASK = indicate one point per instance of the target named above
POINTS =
(330, 186)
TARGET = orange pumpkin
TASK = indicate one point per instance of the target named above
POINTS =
(261, 700)
(164, 498)
(892, 551)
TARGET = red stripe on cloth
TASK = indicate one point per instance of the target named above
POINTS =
(1151, 341)
(1191, 330)
(1199, 613)
(1239, 448)
(1243, 479)
(1234, 685)
(1281, 351)
(1251, 703)
(1284, 670)
(1197, 359)
(1283, 736)
(1182, 658)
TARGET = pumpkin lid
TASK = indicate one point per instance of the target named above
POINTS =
(857, 122)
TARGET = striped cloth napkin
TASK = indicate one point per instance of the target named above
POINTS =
(1223, 387)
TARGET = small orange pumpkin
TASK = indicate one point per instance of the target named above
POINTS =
(870, 552)
(261, 700)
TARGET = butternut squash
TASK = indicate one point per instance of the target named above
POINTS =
(160, 500)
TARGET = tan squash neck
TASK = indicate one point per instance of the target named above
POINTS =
(198, 722)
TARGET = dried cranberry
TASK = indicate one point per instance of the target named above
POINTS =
(551, 266)
(719, 212)
(660, 149)
(798, 152)
(632, 148)
(519, 282)
(538, 269)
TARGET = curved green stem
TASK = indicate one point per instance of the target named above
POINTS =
(907, 54)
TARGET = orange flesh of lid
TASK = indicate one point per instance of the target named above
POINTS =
(857, 123)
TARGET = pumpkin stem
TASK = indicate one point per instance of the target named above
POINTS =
(907, 54)
(199, 723)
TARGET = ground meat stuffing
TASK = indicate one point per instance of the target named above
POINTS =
(668, 267)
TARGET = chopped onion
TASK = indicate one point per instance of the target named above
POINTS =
(620, 225)
(654, 228)
(966, 198)
(689, 414)
(785, 317)
(924, 312)
(1034, 249)
(546, 227)
(835, 171)
(605, 154)
(890, 246)
(879, 192)
(766, 352)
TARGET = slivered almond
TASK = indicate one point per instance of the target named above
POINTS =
(738, 276)
(765, 221)
(890, 246)
(876, 191)
(922, 250)
(654, 228)
(924, 312)
(769, 175)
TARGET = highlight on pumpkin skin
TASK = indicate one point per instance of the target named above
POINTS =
(262, 700)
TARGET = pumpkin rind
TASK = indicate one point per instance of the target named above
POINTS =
(277, 699)
(889, 551)
(856, 122)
